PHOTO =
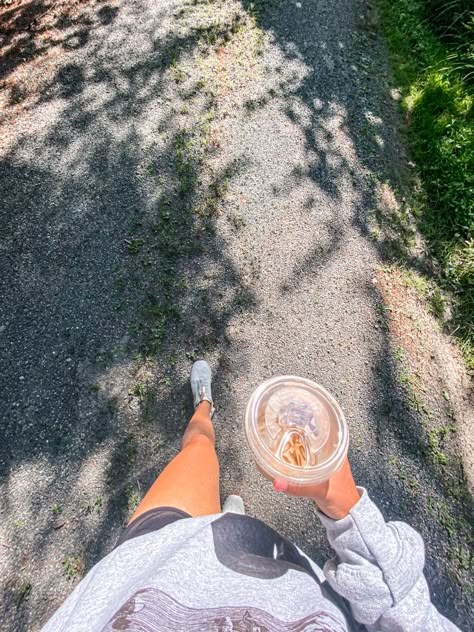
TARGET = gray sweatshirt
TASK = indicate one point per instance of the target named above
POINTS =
(233, 573)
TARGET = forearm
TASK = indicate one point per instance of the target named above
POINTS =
(379, 570)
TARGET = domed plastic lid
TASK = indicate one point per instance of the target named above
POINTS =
(296, 430)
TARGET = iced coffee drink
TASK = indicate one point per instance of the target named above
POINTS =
(296, 430)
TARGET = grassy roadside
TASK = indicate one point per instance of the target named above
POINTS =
(437, 96)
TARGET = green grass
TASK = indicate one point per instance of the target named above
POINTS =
(91, 506)
(426, 289)
(176, 71)
(134, 246)
(434, 436)
(138, 390)
(56, 509)
(133, 500)
(437, 99)
(73, 567)
(413, 280)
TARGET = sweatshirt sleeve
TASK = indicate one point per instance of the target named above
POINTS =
(379, 570)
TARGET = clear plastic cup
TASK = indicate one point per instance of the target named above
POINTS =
(296, 430)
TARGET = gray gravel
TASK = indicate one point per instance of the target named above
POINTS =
(284, 284)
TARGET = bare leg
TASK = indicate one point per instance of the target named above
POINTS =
(191, 480)
(200, 423)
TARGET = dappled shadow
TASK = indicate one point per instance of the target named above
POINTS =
(109, 232)
(446, 220)
(37, 38)
(31, 29)
(117, 278)
(341, 102)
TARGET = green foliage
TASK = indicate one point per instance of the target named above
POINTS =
(435, 438)
(138, 389)
(73, 566)
(176, 71)
(438, 101)
(91, 506)
(447, 16)
(133, 500)
(135, 246)
(453, 22)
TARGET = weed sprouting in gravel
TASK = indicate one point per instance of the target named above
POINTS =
(93, 506)
(73, 567)
(138, 389)
(177, 73)
(57, 509)
(135, 246)
(133, 500)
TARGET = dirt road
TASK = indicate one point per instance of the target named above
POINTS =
(205, 179)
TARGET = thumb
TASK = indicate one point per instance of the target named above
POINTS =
(280, 485)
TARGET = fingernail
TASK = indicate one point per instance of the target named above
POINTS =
(279, 485)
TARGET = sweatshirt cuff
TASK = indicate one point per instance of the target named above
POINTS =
(346, 529)
(394, 547)
(362, 506)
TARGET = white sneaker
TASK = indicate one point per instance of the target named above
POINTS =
(234, 504)
(201, 378)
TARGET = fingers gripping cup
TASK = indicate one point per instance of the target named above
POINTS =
(296, 430)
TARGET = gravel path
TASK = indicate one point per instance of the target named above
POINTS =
(114, 277)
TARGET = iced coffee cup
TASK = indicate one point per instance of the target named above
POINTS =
(296, 430)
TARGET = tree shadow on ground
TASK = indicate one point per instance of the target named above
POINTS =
(342, 103)
(32, 29)
(37, 38)
(109, 234)
(112, 262)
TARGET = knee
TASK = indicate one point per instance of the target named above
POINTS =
(199, 441)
